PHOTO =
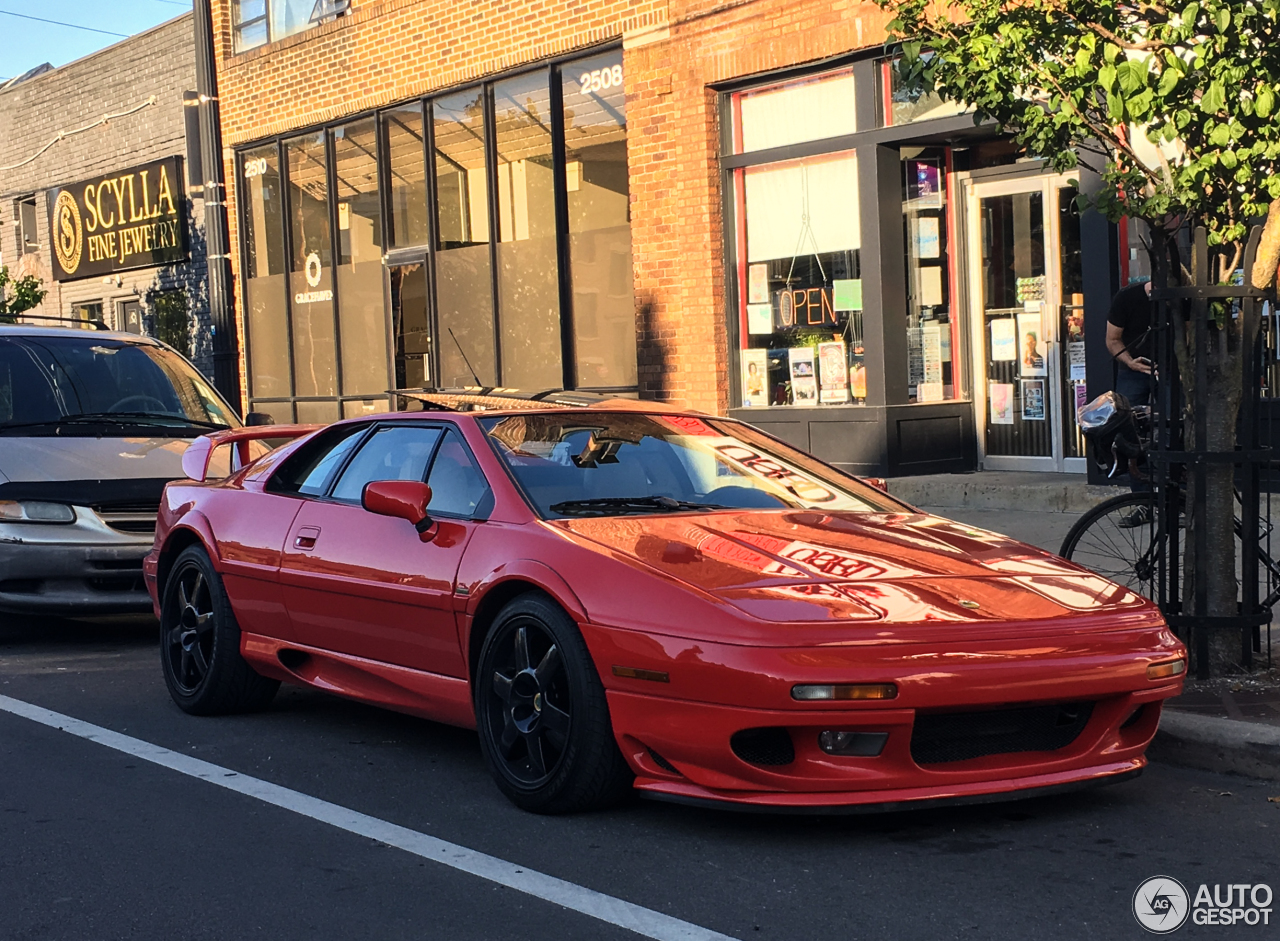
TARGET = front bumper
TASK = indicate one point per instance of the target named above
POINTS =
(678, 735)
(77, 569)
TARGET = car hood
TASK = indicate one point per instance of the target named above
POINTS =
(799, 565)
(52, 458)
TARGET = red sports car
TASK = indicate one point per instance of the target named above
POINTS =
(623, 596)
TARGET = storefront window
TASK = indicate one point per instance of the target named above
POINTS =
(361, 311)
(406, 159)
(311, 267)
(933, 328)
(262, 242)
(900, 103)
(464, 289)
(813, 109)
(528, 283)
(595, 179)
(801, 290)
(256, 22)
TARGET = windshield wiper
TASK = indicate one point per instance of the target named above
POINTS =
(116, 418)
(658, 504)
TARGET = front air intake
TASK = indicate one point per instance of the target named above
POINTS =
(767, 747)
(938, 738)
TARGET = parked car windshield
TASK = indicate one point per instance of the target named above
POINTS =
(58, 384)
(614, 463)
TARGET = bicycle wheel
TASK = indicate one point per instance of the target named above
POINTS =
(1117, 544)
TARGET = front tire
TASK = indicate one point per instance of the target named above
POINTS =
(1118, 540)
(200, 643)
(542, 715)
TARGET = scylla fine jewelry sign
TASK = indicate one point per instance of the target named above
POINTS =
(130, 219)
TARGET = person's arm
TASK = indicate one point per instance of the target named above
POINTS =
(1115, 346)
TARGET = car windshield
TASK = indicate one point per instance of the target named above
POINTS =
(610, 464)
(61, 383)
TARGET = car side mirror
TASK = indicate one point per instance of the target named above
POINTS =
(878, 482)
(405, 499)
(259, 418)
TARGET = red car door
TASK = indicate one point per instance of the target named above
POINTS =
(359, 583)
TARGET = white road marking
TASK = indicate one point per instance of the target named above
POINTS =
(614, 911)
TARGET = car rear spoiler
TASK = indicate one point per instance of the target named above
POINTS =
(195, 460)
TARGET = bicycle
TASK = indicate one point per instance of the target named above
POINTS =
(1123, 539)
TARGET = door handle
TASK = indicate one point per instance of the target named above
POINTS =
(306, 538)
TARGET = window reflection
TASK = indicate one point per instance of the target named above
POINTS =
(311, 268)
(406, 186)
(464, 289)
(362, 323)
(595, 178)
(528, 286)
(264, 288)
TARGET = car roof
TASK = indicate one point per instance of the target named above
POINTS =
(31, 330)
(493, 402)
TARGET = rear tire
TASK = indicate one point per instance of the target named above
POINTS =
(200, 643)
(542, 714)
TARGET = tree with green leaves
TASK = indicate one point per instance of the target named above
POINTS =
(172, 320)
(1175, 109)
(18, 296)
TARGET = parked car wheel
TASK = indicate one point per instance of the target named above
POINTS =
(542, 715)
(200, 643)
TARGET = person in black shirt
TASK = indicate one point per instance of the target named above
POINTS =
(1129, 343)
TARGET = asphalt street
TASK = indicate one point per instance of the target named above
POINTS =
(98, 844)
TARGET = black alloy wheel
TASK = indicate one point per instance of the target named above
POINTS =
(200, 643)
(541, 712)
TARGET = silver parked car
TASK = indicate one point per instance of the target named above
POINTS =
(92, 426)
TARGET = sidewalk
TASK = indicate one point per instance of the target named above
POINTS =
(1229, 724)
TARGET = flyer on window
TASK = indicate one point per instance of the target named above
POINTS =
(759, 318)
(1031, 346)
(755, 378)
(758, 284)
(804, 384)
(931, 346)
(1004, 341)
(1000, 395)
(1033, 400)
(833, 373)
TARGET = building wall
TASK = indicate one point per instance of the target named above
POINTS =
(386, 51)
(159, 64)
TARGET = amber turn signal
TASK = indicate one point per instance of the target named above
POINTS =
(635, 673)
(806, 693)
(1160, 671)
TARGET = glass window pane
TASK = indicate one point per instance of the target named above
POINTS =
(362, 315)
(595, 133)
(464, 289)
(317, 480)
(812, 109)
(262, 240)
(905, 104)
(801, 291)
(528, 282)
(457, 486)
(393, 453)
(411, 325)
(251, 36)
(311, 268)
(933, 330)
(290, 16)
(402, 128)
(317, 413)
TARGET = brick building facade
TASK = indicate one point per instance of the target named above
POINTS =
(139, 84)
(748, 123)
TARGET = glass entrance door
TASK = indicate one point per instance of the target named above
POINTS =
(1028, 322)
(411, 326)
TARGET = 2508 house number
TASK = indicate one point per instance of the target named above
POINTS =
(600, 79)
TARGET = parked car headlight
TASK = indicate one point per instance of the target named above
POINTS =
(34, 511)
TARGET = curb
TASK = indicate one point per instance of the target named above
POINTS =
(989, 492)
(1211, 744)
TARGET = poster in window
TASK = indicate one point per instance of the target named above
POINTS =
(1031, 346)
(759, 318)
(1004, 341)
(758, 284)
(930, 287)
(755, 378)
(928, 242)
(1082, 398)
(804, 384)
(1033, 400)
(931, 346)
(924, 184)
(1076, 360)
(833, 373)
(1000, 396)
(847, 294)
(929, 392)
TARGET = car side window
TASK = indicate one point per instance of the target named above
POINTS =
(309, 470)
(392, 452)
(458, 488)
